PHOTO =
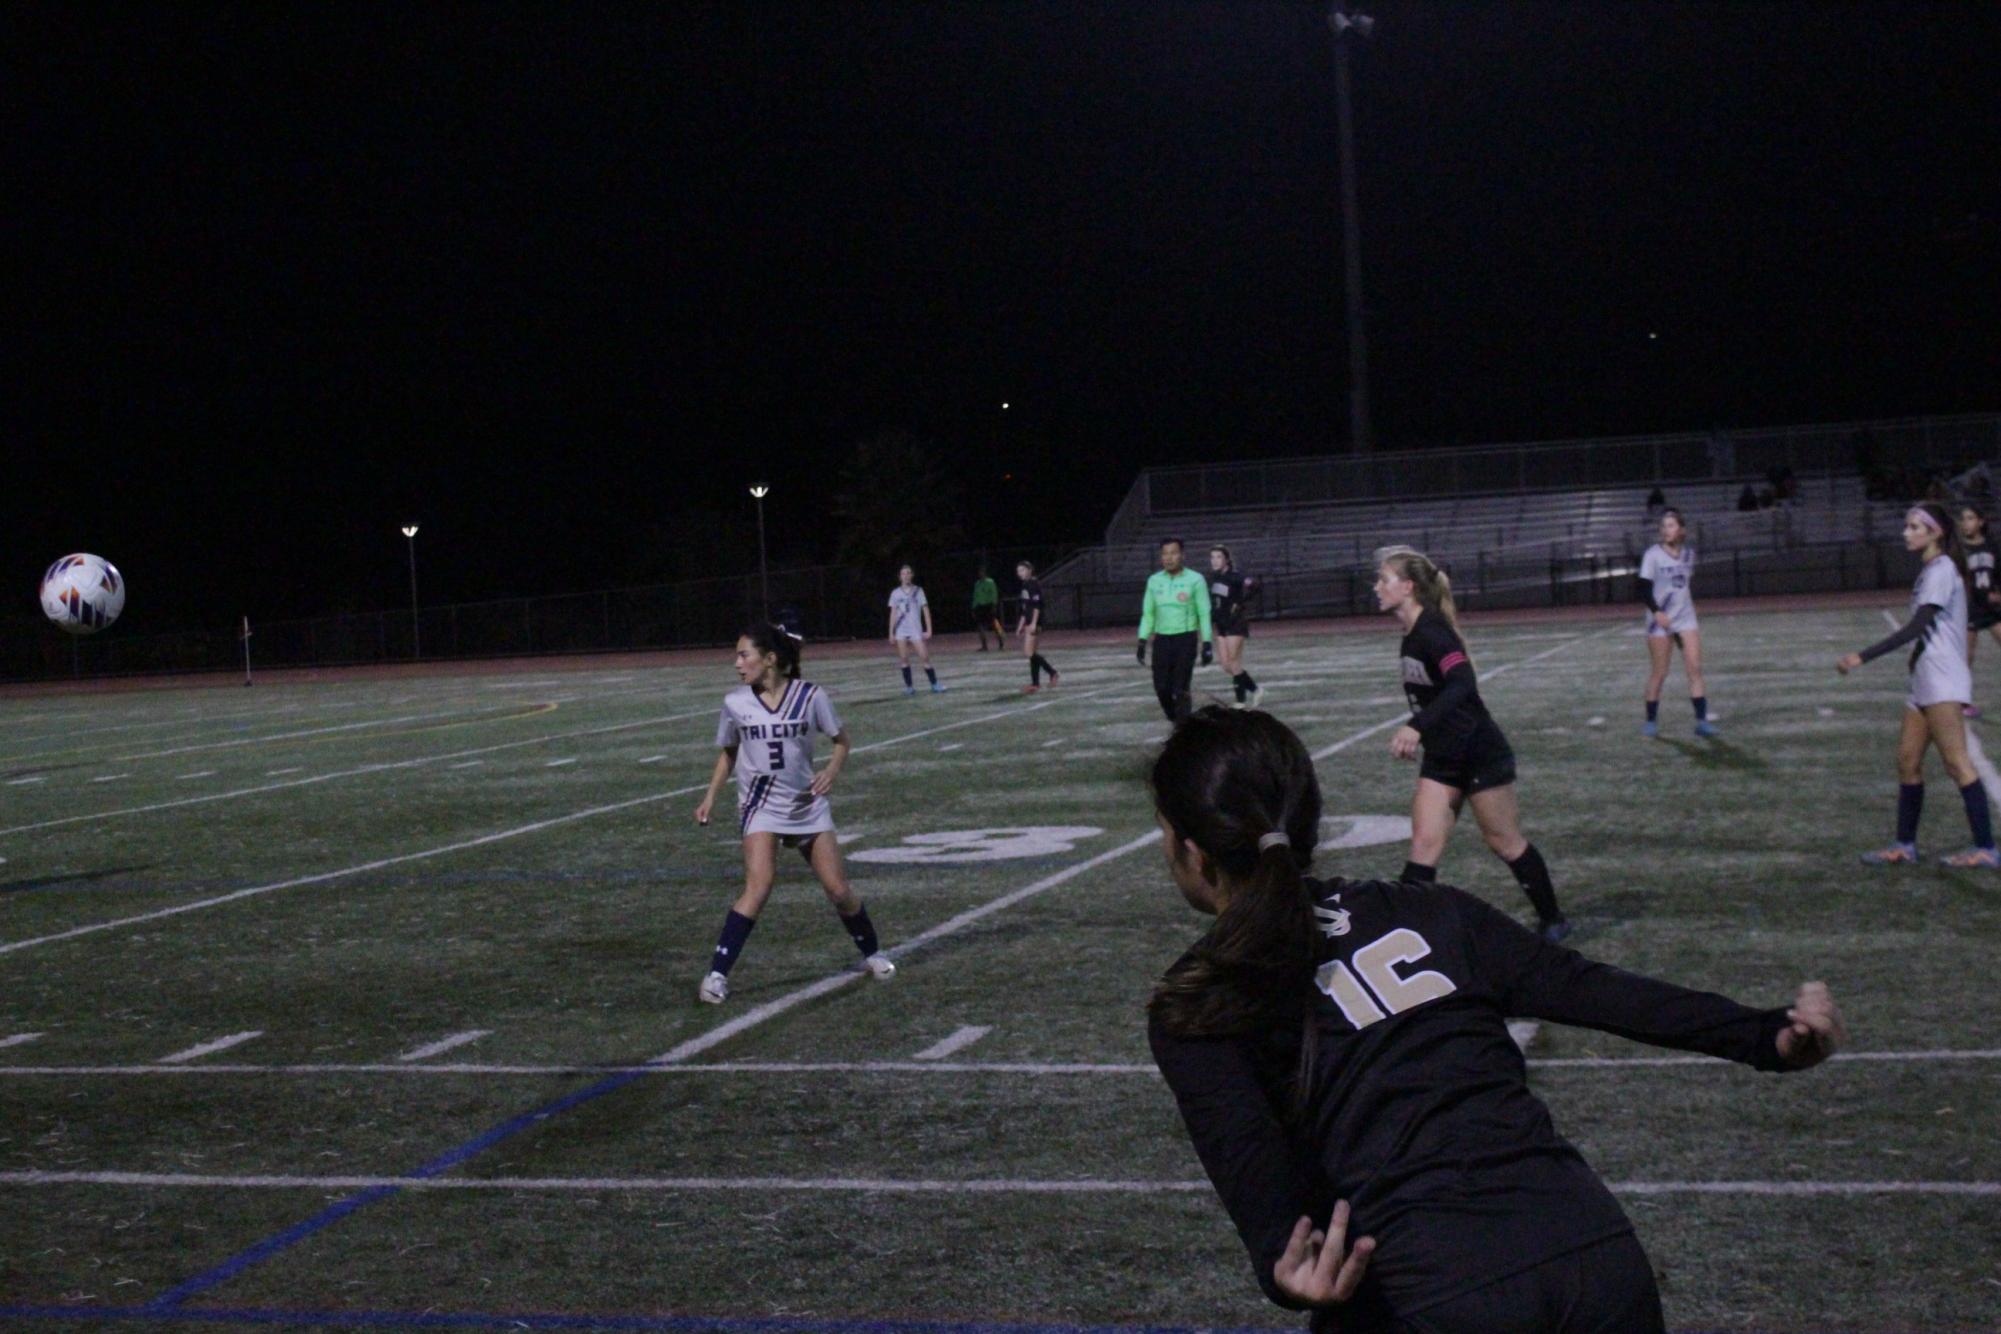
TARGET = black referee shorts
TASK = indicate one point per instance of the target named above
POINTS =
(1605, 1288)
(1485, 761)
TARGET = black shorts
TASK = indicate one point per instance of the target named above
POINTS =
(1607, 1287)
(986, 613)
(1485, 761)
(1980, 618)
(1237, 628)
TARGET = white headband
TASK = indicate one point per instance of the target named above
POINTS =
(1273, 839)
(1923, 516)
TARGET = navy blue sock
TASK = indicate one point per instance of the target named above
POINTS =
(1653, 710)
(862, 931)
(1415, 874)
(933, 675)
(1532, 874)
(1975, 797)
(906, 676)
(1701, 703)
(729, 945)
(1910, 804)
(1035, 669)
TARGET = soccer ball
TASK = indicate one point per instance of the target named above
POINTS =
(83, 594)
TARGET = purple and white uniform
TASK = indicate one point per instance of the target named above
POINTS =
(1940, 673)
(774, 758)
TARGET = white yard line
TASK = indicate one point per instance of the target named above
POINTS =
(589, 812)
(951, 745)
(891, 1185)
(466, 764)
(652, 759)
(279, 773)
(23, 782)
(18, 1039)
(443, 1045)
(557, 764)
(199, 773)
(202, 1049)
(1038, 1069)
(386, 766)
(956, 1042)
(109, 778)
(289, 736)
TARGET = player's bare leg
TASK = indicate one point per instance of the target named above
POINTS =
(1911, 742)
(823, 853)
(760, 870)
(1948, 732)
(1434, 808)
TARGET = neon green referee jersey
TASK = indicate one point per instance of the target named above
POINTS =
(1175, 604)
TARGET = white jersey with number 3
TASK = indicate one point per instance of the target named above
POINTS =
(1670, 575)
(774, 757)
(1939, 670)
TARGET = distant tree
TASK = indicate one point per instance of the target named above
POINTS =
(896, 501)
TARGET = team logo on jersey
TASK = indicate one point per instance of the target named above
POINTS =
(1181, 596)
(1333, 921)
(1414, 673)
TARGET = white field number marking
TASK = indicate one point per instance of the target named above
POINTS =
(1362, 831)
(955, 846)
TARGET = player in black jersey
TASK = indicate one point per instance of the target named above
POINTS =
(1340, 1054)
(1029, 627)
(1466, 758)
(1983, 598)
(1229, 616)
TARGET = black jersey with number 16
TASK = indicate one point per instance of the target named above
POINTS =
(1414, 1103)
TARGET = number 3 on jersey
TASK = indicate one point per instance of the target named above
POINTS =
(777, 756)
(1376, 963)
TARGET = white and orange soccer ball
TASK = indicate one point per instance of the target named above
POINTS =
(83, 594)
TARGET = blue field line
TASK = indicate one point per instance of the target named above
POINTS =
(167, 1301)
(689, 1324)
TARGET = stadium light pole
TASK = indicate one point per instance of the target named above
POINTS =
(416, 643)
(1360, 25)
(760, 491)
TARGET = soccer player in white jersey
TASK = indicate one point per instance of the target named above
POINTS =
(1941, 685)
(910, 628)
(1665, 573)
(766, 736)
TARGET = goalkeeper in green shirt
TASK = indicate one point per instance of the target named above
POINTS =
(1175, 610)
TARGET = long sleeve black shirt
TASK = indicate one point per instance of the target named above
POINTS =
(1417, 1109)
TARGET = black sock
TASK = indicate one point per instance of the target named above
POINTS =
(933, 675)
(906, 676)
(1035, 669)
(1042, 665)
(1653, 710)
(729, 945)
(1415, 874)
(1975, 797)
(862, 931)
(1244, 679)
(1701, 703)
(1532, 874)
(1910, 805)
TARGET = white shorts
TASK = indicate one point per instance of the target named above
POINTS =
(915, 641)
(1680, 622)
(781, 815)
(1940, 681)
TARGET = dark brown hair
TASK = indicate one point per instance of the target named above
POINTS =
(1225, 780)
(1949, 540)
(776, 639)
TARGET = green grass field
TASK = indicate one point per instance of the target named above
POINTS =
(357, 871)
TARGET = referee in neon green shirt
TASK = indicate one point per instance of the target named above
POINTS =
(1176, 608)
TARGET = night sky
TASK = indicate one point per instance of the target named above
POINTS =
(558, 280)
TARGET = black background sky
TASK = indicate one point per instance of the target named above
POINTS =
(552, 278)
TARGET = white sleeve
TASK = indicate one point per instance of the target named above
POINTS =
(726, 734)
(1935, 584)
(1648, 565)
(825, 720)
(892, 597)
(922, 601)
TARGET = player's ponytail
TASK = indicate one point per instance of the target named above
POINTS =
(780, 642)
(1241, 787)
(1430, 585)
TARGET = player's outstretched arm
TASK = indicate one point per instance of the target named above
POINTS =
(725, 761)
(823, 782)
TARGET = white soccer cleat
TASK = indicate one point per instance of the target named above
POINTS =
(1257, 697)
(880, 967)
(715, 989)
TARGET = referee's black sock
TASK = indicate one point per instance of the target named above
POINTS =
(1977, 815)
(861, 930)
(1532, 874)
(1415, 873)
(729, 945)
(906, 676)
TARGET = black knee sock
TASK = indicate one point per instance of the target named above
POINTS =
(931, 674)
(1415, 873)
(1653, 710)
(1700, 703)
(1910, 805)
(861, 930)
(1977, 816)
(1035, 669)
(1046, 666)
(1532, 874)
(906, 676)
(729, 945)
